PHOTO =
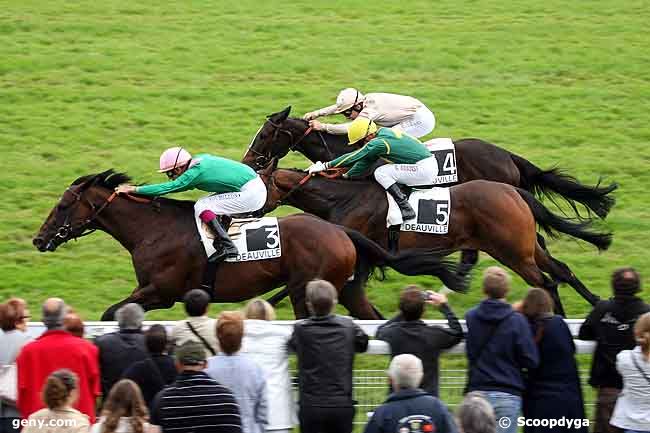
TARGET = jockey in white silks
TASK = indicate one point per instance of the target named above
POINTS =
(399, 112)
(235, 189)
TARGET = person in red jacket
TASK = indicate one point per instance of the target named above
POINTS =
(53, 350)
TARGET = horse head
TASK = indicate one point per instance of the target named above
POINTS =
(281, 134)
(75, 214)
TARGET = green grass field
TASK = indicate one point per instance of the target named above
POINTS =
(86, 86)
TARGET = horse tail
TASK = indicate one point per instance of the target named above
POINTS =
(551, 223)
(371, 255)
(554, 182)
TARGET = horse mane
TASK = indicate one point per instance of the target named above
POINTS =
(110, 179)
(107, 179)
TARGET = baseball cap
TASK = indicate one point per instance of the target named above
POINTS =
(190, 353)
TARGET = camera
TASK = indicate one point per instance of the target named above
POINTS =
(427, 296)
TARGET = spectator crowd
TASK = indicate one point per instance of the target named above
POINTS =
(231, 374)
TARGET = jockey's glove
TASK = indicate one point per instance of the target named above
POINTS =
(317, 167)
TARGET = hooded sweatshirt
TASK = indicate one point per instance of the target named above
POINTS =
(395, 412)
(505, 353)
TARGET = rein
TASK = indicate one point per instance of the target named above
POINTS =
(330, 173)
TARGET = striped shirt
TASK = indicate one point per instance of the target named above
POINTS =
(196, 404)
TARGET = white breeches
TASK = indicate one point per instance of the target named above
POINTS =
(419, 124)
(252, 197)
(420, 173)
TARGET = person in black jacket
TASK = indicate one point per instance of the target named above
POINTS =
(119, 350)
(325, 345)
(158, 370)
(611, 325)
(406, 333)
(499, 346)
(409, 408)
(552, 388)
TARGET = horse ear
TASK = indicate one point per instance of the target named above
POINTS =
(280, 116)
(285, 113)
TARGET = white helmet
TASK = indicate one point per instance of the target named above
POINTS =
(348, 98)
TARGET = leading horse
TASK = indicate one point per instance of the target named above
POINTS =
(169, 258)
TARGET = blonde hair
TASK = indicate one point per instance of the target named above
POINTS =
(496, 282)
(642, 333)
(259, 309)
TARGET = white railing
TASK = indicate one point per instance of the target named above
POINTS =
(376, 347)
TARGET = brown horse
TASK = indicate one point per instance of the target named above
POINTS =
(496, 218)
(475, 159)
(169, 258)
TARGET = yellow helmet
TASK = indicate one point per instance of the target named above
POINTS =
(360, 128)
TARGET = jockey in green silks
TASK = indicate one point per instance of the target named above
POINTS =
(235, 189)
(411, 162)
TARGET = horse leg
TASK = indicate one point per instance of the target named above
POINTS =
(353, 297)
(468, 259)
(297, 295)
(561, 272)
(144, 296)
(551, 287)
(277, 297)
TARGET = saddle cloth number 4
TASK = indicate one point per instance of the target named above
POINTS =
(447, 160)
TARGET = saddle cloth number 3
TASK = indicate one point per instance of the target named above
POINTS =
(262, 238)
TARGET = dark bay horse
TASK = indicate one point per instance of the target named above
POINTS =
(493, 217)
(475, 159)
(169, 258)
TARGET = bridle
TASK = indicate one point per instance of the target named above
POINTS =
(294, 145)
(68, 230)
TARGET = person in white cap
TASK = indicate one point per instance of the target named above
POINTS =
(385, 109)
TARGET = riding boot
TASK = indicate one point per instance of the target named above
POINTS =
(224, 247)
(402, 201)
